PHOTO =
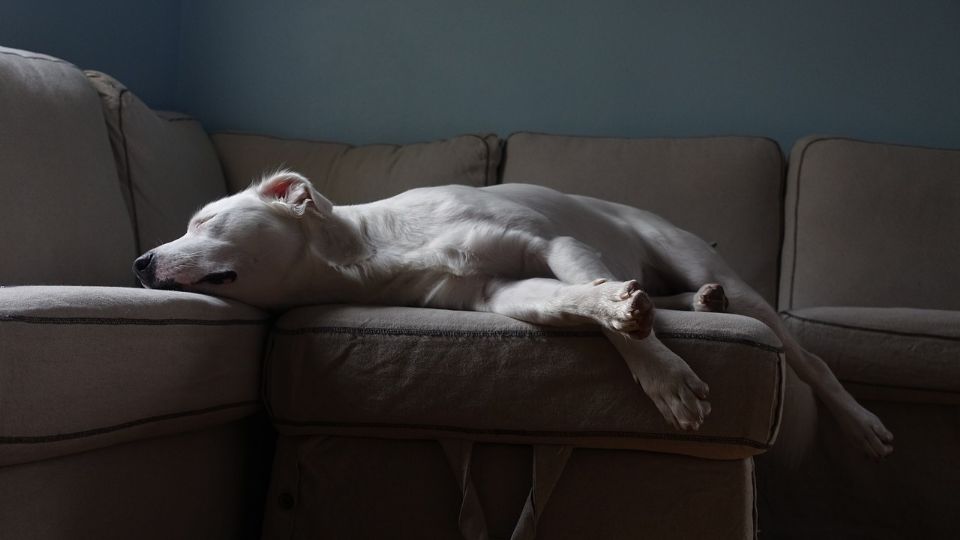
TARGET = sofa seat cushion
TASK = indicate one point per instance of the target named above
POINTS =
(425, 373)
(898, 354)
(86, 367)
(348, 174)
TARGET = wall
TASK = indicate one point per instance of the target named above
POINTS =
(135, 41)
(381, 70)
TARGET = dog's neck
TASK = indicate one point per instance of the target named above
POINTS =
(339, 238)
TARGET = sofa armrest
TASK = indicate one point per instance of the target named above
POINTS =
(87, 367)
(435, 374)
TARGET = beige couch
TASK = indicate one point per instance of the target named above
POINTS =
(127, 413)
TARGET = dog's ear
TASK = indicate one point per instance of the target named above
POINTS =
(293, 191)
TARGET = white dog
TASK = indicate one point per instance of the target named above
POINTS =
(523, 251)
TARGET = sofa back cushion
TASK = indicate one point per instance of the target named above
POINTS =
(166, 163)
(724, 189)
(871, 224)
(62, 217)
(348, 174)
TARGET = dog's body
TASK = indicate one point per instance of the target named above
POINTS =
(524, 251)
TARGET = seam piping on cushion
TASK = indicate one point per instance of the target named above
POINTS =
(530, 433)
(54, 60)
(796, 219)
(440, 332)
(36, 439)
(865, 329)
(898, 386)
(118, 321)
(486, 162)
(129, 179)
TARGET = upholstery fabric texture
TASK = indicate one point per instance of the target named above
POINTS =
(325, 487)
(727, 190)
(57, 163)
(911, 353)
(871, 224)
(166, 163)
(85, 367)
(425, 373)
(348, 174)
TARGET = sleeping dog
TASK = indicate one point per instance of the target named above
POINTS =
(523, 251)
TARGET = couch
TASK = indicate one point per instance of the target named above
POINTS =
(129, 413)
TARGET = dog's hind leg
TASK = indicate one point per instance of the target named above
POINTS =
(710, 298)
(574, 262)
(700, 263)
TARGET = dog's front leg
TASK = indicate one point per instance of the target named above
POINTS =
(680, 396)
(677, 392)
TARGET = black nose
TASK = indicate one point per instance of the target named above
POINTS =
(143, 262)
(143, 267)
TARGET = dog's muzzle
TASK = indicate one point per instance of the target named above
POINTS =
(145, 269)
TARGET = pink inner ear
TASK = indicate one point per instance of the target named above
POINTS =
(278, 189)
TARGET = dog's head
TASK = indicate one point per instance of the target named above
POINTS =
(243, 246)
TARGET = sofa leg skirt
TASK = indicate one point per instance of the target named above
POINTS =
(342, 487)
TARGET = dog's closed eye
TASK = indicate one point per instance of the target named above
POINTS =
(200, 221)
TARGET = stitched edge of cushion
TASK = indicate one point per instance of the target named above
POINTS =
(528, 432)
(791, 315)
(37, 439)
(118, 321)
(44, 58)
(498, 334)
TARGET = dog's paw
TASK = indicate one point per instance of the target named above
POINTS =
(677, 392)
(865, 429)
(623, 307)
(711, 298)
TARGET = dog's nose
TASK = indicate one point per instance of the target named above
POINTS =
(143, 262)
(144, 269)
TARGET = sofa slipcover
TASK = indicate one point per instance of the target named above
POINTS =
(348, 174)
(870, 224)
(61, 207)
(426, 373)
(87, 367)
(727, 190)
(166, 163)
(344, 487)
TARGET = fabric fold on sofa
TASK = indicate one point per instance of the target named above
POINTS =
(87, 367)
(435, 374)
(166, 163)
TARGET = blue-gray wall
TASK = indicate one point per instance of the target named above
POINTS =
(137, 41)
(386, 70)
(399, 71)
